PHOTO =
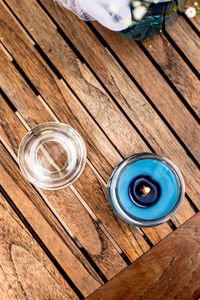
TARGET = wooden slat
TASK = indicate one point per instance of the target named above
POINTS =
(185, 211)
(66, 205)
(93, 240)
(171, 270)
(46, 226)
(196, 22)
(176, 69)
(59, 110)
(137, 109)
(187, 40)
(25, 270)
(118, 83)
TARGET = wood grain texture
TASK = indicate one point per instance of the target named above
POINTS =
(176, 69)
(93, 240)
(156, 87)
(46, 226)
(171, 270)
(32, 115)
(196, 22)
(185, 213)
(72, 213)
(25, 270)
(79, 82)
(103, 212)
(117, 81)
(141, 113)
(187, 40)
(154, 234)
(163, 142)
(86, 87)
(59, 104)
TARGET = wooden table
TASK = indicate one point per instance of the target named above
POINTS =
(123, 97)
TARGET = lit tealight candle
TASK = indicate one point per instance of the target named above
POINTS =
(145, 189)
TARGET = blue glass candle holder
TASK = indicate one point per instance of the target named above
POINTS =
(146, 189)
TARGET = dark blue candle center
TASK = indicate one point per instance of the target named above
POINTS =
(144, 191)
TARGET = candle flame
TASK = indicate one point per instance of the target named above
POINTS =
(146, 190)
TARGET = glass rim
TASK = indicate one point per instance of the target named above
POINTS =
(31, 136)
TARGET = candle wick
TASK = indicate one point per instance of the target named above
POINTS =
(145, 190)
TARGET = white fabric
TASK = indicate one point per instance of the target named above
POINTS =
(113, 14)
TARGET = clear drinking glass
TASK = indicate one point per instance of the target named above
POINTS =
(52, 155)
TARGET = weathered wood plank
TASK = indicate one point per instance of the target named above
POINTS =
(68, 207)
(185, 211)
(25, 270)
(187, 40)
(196, 22)
(46, 226)
(117, 81)
(141, 113)
(170, 270)
(176, 69)
(93, 240)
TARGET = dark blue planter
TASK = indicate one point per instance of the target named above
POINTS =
(158, 17)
